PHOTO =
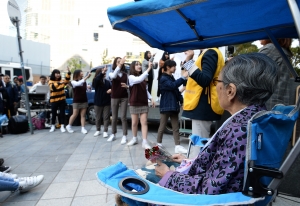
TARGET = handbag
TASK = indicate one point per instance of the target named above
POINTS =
(38, 123)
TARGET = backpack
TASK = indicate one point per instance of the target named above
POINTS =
(18, 124)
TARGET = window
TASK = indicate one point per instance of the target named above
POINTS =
(95, 36)
(128, 53)
(18, 72)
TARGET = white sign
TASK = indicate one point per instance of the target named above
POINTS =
(14, 12)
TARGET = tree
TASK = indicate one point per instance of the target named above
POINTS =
(245, 48)
(296, 58)
(75, 63)
(106, 60)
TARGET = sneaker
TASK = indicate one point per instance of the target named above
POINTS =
(97, 133)
(112, 137)
(180, 149)
(83, 131)
(159, 144)
(124, 140)
(27, 183)
(8, 175)
(69, 129)
(52, 128)
(133, 141)
(105, 134)
(4, 169)
(146, 145)
(62, 129)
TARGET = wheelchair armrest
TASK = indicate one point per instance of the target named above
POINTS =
(253, 186)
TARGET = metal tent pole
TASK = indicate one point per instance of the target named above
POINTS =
(23, 74)
(295, 13)
(282, 54)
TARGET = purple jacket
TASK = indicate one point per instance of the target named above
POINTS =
(219, 168)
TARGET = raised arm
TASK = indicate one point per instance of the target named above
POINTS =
(138, 79)
(209, 66)
(169, 85)
(113, 75)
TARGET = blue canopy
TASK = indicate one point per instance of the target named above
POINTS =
(178, 25)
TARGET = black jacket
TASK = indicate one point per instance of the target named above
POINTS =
(101, 86)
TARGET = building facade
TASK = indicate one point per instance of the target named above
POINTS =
(71, 28)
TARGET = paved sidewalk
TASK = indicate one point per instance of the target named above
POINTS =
(69, 163)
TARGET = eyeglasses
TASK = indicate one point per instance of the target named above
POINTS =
(216, 80)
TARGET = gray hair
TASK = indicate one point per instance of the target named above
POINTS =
(254, 75)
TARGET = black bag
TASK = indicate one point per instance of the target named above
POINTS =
(18, 124)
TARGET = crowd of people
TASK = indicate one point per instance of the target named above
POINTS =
(242, 86)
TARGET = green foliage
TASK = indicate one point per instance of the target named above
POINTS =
(296, 58)
(74, 63)
(245, 48)
(106, 60)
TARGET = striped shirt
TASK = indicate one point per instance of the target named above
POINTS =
(57, 89)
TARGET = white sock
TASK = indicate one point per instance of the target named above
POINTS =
(82, 127)
(145, 141)
(62, 126)
(68, 125)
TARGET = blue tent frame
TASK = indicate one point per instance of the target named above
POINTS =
(200, 24)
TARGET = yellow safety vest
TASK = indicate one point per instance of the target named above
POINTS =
(193, 90)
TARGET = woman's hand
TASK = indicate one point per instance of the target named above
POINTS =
(87, 76)
(178, 158)
(108, 91)
(153, 103)
(189, 55)
(122, 61)
(104, 70)
(185, 74)
(124, 85)
(161, 169)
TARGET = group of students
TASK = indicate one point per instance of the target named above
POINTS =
(123, 88)
(133, 88)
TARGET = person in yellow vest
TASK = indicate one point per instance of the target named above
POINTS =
(201, 103)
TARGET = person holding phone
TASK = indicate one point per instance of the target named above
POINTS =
(119, 97)
(80, 102)
(149, 58)
(138, 100)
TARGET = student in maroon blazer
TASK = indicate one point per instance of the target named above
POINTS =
(119, 97)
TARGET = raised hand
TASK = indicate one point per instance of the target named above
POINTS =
(189, 55)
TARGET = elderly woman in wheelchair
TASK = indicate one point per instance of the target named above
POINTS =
(244, 85)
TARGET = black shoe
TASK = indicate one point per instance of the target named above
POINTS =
(1, 161)
(4, 169)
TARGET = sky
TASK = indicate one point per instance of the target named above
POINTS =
(95, 10)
